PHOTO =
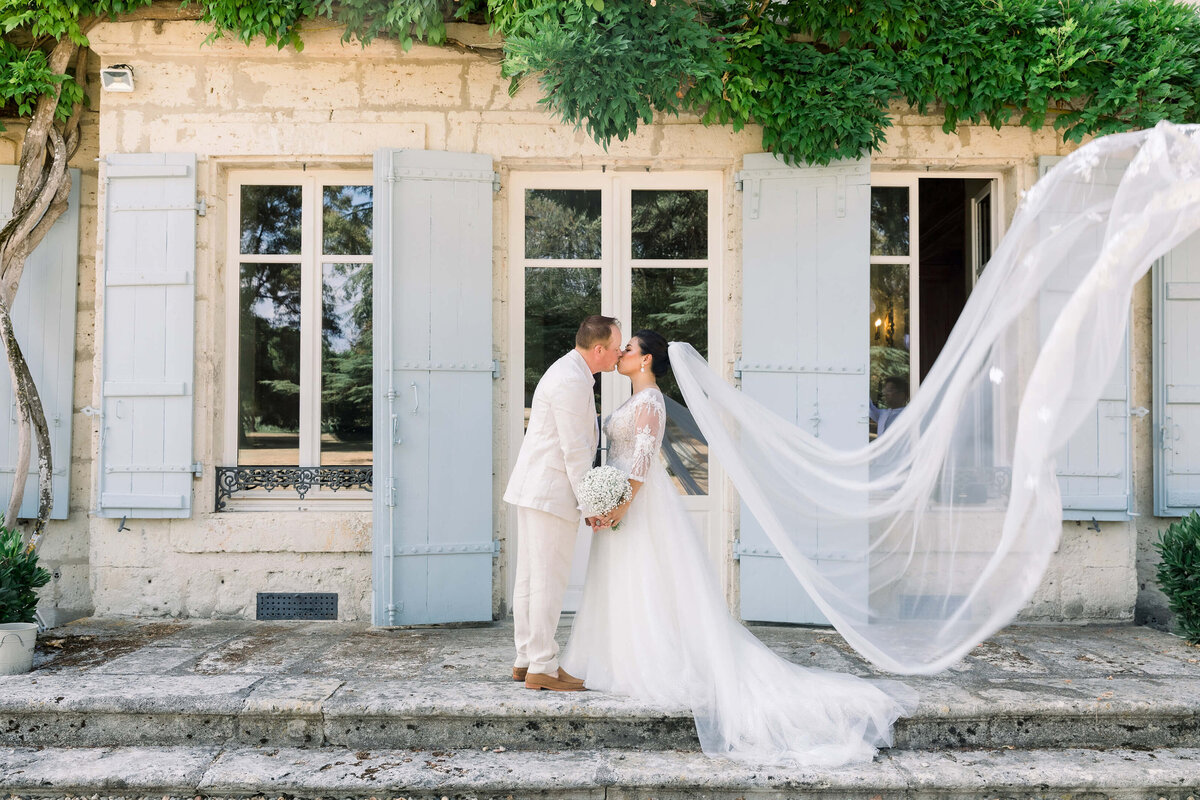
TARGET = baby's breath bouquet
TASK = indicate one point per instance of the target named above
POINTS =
(603, 489)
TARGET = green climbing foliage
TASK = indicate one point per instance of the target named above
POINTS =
(820, 78)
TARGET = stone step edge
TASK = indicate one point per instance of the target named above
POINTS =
(663, 733)
(300, 773)
(332, 698)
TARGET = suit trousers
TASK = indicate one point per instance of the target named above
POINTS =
(545, 545)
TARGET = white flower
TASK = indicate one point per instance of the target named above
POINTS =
(603, 489)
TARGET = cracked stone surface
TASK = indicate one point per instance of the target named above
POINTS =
(109, 682)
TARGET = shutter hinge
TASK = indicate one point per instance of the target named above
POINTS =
(202, 206)
(495, 548)
(737, 369)
(737, 549)
(495, 181)
(90, 411)
(755, 199)
(1139, 412)
(198, 469)
(737, 182)
(391, 496)
(495, 369)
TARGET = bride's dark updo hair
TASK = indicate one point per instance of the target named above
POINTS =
(653, 344)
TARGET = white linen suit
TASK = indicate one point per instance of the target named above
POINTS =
(556, 453)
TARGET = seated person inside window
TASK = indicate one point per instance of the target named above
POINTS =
(894, 397)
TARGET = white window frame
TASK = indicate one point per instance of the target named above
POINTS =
(909, 178)
(616, 223)
(311, 282)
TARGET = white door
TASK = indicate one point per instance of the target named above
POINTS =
(641, 247)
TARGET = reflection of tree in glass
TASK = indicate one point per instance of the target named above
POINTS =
(889, 221)
(886, 362)
(562, 223)
(889, 300)
(269, 351)
(670, 224)
(556, 301)
(270, 219)
(347, 220)
(346, 351)
(673, 302)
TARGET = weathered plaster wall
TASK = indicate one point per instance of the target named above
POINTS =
(1151, 606)
(335, 105)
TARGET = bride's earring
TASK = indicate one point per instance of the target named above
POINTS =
(643, 366)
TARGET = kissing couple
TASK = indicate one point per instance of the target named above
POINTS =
(653, 623)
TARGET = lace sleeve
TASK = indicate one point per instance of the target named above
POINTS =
(649, 422)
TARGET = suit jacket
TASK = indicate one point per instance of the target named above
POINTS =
(560, 441)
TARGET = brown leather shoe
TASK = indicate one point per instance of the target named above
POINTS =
(539, 680)
(519, 673)
(563, 675)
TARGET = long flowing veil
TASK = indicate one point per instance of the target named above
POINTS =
(948, 520)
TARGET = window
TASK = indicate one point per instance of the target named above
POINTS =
(931, 238)
(300, 380)
(637, 247)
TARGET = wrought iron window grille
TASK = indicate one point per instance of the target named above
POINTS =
(231, 480)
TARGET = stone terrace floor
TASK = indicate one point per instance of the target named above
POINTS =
(1050, 657)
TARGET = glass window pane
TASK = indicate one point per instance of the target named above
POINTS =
(346, 220)
(270, 222)
(674, 302)
(346, 364)
(889, 337)
(669, 224)
(889, 220)
(983, 229)
(269, 365)
(562, 223)
(556, 301)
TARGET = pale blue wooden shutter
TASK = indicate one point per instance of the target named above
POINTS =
(805, 294)
(1177, 381)
(1094, 474)
(148, 338)
(44, 321)
(433, 387)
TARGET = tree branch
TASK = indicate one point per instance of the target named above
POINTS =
(16, 247)
(33, 148)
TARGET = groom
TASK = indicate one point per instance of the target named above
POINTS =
(557, 452)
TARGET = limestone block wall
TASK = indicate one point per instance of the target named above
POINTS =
(334, 105)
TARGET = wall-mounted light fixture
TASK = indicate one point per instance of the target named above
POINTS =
(117, 78)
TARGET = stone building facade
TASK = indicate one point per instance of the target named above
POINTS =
(249, 112)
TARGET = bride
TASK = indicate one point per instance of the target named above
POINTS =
(653, 623)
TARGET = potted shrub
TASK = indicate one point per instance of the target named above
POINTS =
(20, 578)
(1179, 573)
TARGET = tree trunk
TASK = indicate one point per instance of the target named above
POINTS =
(43, 189)
(29, 414)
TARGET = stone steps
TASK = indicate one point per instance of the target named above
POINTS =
(94, 710)
(186, 772)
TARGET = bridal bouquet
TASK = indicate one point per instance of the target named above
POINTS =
(603, 489)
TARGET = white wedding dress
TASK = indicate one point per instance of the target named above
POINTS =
(653, 624)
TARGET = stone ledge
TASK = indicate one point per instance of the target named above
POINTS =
(100, 709)
(186, 772)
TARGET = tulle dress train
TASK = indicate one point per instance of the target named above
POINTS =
(653, 624)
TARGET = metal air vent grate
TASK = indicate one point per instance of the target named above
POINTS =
(297, 605)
